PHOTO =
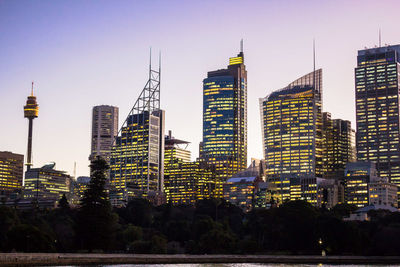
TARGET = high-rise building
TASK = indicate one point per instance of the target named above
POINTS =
(46, 183)
(292, 128)
(137, 158)
(224, 144)
(185, 182)
(377, 109)
(104, 130)
(338, 145)
(31, 111)
(11, 172)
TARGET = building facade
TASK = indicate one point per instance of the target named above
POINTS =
(381, 192)
(185, 182)
(224, 144)
(137, 158)
(46, 183)
(338, 146)
(377, 109)
(11, 172)
(104, 131)
(292, 129)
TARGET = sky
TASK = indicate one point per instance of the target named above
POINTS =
(86, 53)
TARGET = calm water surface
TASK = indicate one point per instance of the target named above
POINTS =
(236, 265)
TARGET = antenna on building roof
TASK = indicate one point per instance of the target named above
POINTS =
(150, 59)
(379, 37)
(314, 54)
(241, 45)
(32, 89)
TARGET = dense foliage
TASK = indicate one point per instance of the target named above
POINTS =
(212, 226)
(209, 227)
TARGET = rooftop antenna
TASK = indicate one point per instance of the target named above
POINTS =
(241, 45)
(32, 89)
(379, 37)
(75, 170)
(314, 54)
(150, 59)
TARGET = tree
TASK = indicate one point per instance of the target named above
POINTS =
(63, 203)
(96, 223)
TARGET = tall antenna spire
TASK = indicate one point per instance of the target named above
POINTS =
(379, 37)
(314, 54)
(150, 60)
(32, 89)
(241, 45)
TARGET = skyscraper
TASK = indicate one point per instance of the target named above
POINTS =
(137, 158)
(338, 145)
(104, 130)
(31, 111)
(377, 109)
(292, 128)
(224, 144)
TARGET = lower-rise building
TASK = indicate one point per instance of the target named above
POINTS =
(381, 192)
(363, 187)
(46, 183)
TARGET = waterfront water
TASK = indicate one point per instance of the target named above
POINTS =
(239, 265)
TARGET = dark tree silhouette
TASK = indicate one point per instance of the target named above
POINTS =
(96, 223)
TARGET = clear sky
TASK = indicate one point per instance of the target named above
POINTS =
(86, 53)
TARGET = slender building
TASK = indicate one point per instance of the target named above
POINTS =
(377, 109)
(137, 157)
(31, 111)
(338, 145)
(104, 130)
(224, 144)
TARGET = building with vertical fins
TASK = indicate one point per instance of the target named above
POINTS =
(338, 146)
(31, 111)
(137, 157)
(104, 130)
(224, 144)
(377, 109)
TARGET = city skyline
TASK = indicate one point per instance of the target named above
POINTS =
(67, 85)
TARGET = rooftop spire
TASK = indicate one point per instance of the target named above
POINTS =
(241, 45)
(32, 89)
(380, 37)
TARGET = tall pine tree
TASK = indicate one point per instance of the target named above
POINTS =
(96, 222)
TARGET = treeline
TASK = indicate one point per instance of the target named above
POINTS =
(213, 226)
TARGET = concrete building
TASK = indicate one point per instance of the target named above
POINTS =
(381, 192)
(11, 173)
(104, 130)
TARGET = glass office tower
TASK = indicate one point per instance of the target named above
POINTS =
(137, 156)
(292, 128)
(377, 109)
(224, 143)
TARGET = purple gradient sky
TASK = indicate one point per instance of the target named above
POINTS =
(86, 53)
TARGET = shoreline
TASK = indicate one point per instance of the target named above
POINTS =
(42, 259)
